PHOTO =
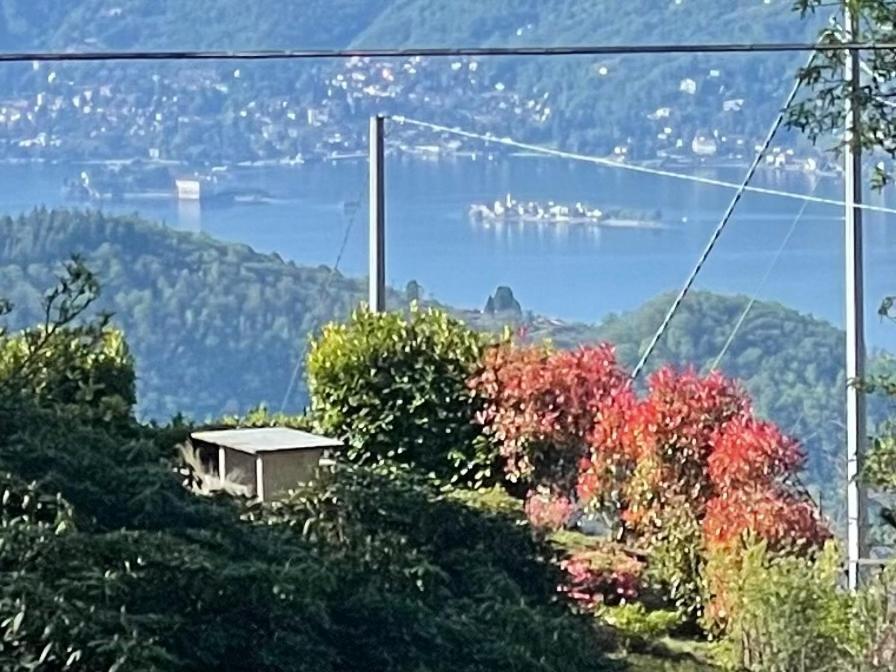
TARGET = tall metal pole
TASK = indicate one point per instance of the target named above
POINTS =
(855, 325)
(377, 196)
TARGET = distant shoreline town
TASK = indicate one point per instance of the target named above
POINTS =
(808, 165)
(216, 115)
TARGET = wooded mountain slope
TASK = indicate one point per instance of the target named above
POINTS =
(218, 328)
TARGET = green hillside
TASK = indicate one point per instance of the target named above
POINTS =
(587, 103)
(407, 22)
(217, 327)
(168, 24)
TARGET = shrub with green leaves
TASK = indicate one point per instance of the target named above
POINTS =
(394, 387)
(636, 625)
(82, 364)
(451, 569)
(108, 563)
(787, 612)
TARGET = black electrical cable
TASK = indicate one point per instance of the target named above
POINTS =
(304, 54)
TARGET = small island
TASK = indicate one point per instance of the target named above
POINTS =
(511, 210)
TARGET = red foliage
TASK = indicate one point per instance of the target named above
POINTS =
(784, 519)
(749, 468)
(593, 584)
(551, 512)
(687, 465)
(675, 424)
(609, 458)
(542, 406)
(747, 451)
(664, 442)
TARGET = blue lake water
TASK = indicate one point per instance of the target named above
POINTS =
(570, 272)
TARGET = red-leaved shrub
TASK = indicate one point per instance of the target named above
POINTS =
(686, 471)
(541, 405)
(593, 580)
(548, 511)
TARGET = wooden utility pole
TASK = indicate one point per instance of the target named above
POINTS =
(854, 302)
(377, 196)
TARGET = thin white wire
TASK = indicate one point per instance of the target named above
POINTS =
(610, 163)
(350, 224)
(717, 232)
(753, 299)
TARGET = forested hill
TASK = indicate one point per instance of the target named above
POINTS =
(588, 103)
(171, 24)
(217, 327)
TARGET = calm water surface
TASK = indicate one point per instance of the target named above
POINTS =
(571, 272)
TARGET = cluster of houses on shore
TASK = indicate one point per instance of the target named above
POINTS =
(170, 116)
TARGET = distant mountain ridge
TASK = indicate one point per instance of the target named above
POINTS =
(172, 24)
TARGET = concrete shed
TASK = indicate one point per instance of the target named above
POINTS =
(268, 460)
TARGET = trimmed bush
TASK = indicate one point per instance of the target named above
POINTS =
(394, 387)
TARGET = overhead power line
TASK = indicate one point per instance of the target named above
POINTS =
(632, 167)
(758, 289)
(713, 239)
(436, 52)
(334, 271)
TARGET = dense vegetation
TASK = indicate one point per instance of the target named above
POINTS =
(107, 561)
(377, 563)
(715, 531)
(414, 372)
(217, 328)
(685, 472)
(171, 25)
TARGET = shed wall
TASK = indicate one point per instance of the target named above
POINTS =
(284, 470)
(240, 468)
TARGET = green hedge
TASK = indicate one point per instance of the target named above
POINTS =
(394, 387)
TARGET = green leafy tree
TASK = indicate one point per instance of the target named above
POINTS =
(82, 364)
(108, 562)
(821, 113)
(395, 388)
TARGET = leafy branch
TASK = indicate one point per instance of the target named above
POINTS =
(821, 114)
(75, 291)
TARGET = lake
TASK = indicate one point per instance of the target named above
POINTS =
(572, 272)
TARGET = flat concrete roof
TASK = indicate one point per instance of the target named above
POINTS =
(265, 439)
